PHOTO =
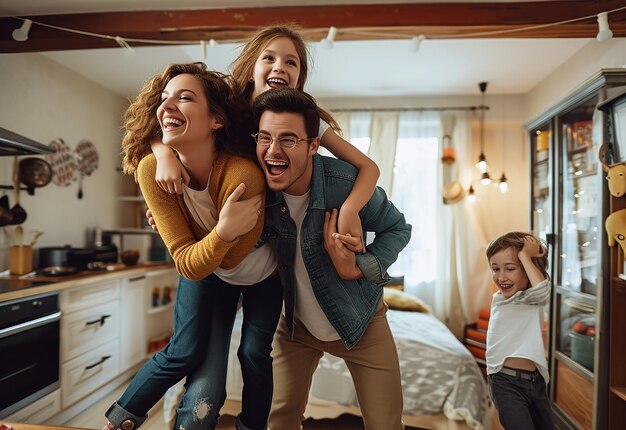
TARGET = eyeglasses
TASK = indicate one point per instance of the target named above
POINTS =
(285, 142)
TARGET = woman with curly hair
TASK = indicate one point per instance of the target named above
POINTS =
(210, 230)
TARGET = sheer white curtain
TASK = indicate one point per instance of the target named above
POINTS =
(384, 134)
(463, 284)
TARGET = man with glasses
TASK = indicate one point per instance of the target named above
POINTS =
(333, 297)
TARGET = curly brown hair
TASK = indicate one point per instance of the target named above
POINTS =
(515, 239)
(243, 66)
(225, 102)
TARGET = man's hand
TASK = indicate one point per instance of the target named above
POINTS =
(238, 217)
(343, 258)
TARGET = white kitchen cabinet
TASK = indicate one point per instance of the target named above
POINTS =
(87, 372)
(133, 337)
(142, 321)
(160, 316)
(90, 328)
(86, 329)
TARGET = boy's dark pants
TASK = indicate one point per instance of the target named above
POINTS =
(522, 401)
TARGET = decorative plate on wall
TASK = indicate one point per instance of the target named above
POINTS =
(63, 162)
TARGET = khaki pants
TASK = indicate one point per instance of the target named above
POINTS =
(373, 364)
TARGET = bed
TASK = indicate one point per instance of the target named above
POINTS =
(442, 384)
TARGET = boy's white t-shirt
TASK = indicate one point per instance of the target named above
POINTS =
(516, 330)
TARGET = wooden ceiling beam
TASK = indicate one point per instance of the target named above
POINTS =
(354, 22)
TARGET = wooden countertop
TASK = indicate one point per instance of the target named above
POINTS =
(59, 283)
(18, 426)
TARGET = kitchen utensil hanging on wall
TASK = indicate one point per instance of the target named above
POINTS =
(87, 157)
(34, 173)
(63, 162)
(5, 211)
(18, 214)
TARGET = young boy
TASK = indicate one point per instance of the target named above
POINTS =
(516, 364)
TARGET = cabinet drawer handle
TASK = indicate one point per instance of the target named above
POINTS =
(102, 360)
(100, 320)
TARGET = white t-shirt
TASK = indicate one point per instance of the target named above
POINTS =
(308, 310)
(258, 265)
(516, 330)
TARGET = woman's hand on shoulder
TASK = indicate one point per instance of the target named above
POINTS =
(238, 217)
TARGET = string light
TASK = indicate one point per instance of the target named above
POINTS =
(601, 17)
(21, 34)
(604, 32)
(416, 41)
(329, 40)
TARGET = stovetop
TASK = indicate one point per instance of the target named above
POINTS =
(12, 284)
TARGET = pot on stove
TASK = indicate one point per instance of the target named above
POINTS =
(64, 256)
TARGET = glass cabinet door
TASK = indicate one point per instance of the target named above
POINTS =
(541, 188)
(580, 235)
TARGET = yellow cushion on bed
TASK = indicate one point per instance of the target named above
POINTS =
(402, 301)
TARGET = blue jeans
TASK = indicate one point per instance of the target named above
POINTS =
(522, 404)
(204, 314)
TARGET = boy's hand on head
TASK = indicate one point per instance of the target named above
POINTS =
(532, 247)
(343, 258)
(238, 217)
(349, 226)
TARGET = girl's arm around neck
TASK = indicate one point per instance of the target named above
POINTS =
(364, 186)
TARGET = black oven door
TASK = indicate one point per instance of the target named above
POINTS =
(29, 351)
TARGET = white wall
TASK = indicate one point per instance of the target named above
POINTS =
(43, 100)
(573, 73)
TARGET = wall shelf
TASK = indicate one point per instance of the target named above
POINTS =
(620, 392)
(158, 309)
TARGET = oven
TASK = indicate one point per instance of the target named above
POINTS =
(29, 350)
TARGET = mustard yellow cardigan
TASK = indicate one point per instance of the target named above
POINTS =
(197, 254)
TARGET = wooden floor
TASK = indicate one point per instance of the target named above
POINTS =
(93, 418)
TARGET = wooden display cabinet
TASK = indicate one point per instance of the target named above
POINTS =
(569, 204)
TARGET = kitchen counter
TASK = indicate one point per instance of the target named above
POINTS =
(18, 426)
(48, 284)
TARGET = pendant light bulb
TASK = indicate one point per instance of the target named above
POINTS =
(482, 163)
(503, 184)
(604, 32)
(471, 196)
(485, 179)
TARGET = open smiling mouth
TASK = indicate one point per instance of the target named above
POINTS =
(276, 83)
(170, 123)
(275, 167)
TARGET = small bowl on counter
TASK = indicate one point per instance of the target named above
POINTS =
(130, 257)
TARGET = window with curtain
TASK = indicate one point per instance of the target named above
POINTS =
(414, 192)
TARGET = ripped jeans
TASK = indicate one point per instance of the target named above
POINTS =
(205, 389)
(204, 315)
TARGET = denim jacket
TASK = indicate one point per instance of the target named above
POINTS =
(348, 305)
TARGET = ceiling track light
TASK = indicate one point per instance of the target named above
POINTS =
(604, 32)
(21, 34)
(328, 41)
(416, 41)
